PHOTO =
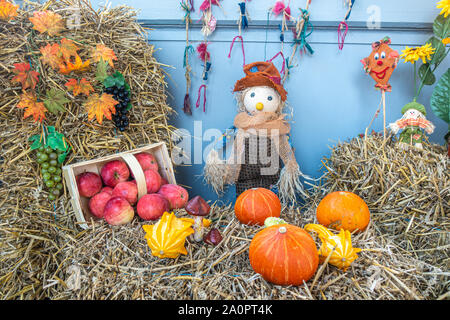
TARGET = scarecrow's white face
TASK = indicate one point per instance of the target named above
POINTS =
(261, 99)
(413, 114)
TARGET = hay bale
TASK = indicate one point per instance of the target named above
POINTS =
(32, 230)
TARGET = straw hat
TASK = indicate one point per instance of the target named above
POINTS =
(261, 74)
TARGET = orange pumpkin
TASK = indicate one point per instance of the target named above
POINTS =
(343, 210)
(284, 255)
(253, 206)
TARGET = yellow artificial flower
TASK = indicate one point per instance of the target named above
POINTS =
(414, 54)
(446, 41)
(445, 6)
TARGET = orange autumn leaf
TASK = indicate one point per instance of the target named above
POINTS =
(50, 55)
(101, 106)
(103, 52)
(68, 49)
(8, 11)
(77, 88)
(47, 21)
(78, 66)
(33, 108)
(28, 78)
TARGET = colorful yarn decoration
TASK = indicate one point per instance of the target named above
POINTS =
(343, 25)
(243, 50)
(300, 38)
(206, 5)
(203, 86)
(283, 70)
(243, 19)
(281, 8)
(203, 53)
(188, 7)
(300, 35)
(278, 9)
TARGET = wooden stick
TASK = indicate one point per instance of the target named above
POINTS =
(383, 98)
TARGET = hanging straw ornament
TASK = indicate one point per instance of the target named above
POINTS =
(209, 25)
(278, 9)
(205, 56)
(343, 26)
(209, 21)
(188, 7)
(300, 35)
(243, 17)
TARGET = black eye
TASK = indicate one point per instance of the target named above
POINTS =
(252, 95)
(377, 56)
(269, 98)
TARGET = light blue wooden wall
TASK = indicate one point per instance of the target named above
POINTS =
(331, 96)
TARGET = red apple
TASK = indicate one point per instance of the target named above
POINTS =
(147, 161)
(152, 206)
(127, 190)
(107, 190)
(98, 202)
(176, 195)
(153, 181)
(114, 172)
(89, 184)
(118, 211)
(164, 181)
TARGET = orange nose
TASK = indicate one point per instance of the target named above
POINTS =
(379, 62)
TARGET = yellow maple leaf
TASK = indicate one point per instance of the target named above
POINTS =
(78, 67)
(103, 52)
(100, 106)
(50, 55)
(47, 21)
(8, 11)
(28, 101)
(77, 88)
(68, 49)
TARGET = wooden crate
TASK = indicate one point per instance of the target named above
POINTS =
(80, 204)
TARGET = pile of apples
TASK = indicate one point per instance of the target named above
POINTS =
(113, 195)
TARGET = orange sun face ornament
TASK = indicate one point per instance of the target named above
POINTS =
(381, 63)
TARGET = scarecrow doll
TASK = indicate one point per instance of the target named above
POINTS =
(412, 123)
(261, 144)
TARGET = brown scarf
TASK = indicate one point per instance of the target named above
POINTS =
(269, 123)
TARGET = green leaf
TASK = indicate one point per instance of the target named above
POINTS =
(440, 99)
(120, 80)
(62, 157)
(37, 141)
(127, 87)
(102, 70)
(110, 81)
(441, 27)
(439, 54)
(55, 100)
(426, 75)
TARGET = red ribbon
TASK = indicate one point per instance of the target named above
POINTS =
(342, 35)
(232, 44)
(203, 86)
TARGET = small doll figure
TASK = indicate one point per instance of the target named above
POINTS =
(261, 143)
(412, 123)
(381, 63)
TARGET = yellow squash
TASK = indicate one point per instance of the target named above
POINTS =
(167, 237)
(344, 254)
